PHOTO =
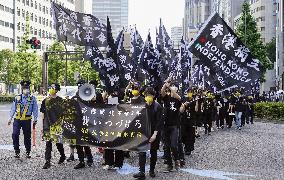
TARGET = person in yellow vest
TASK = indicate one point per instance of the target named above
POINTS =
(24, 106)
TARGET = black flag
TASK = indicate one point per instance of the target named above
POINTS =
(109, 68)
(230, 62)
(78, 28)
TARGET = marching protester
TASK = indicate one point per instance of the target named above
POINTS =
(239, 108)
(154, 115)
(221, 112)
(24, 105)
(188, 122)
(51, 108)
(85, 151)
(208, 113)
(172, 105)
(113, 158)
(251, 103)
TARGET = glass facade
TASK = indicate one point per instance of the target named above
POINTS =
(116, 10)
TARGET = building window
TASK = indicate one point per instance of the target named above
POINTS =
(262, 8)
(262, 18)
(7, 9)
(35, 18)
(18, 40)
(35, 32)
(12, 25)
(43, 33)
(2, 7)
(18, 12)
(50, 24)
(43, 9)
(35, 5)
(23, 13)
(19, 26)
(23, 27)
(46, 23)
(28, 2)
(39, 33)
(27, 14)
(23, 1)
(262, 28)
(39, 7)
(32, 3)
(39, 20)
(43, 21)
(31, 30)
(7, 24)
(11, 40)
(32, 16)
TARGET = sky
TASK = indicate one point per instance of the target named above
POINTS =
(146, 15)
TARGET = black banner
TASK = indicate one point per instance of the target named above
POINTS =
(78, 28)
(201, 77)
(230, 62)
(123, 127)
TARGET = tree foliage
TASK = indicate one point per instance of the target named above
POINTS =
(56, 64)
(28, 65)
(83, 67)
(7, 68)
(248, 33)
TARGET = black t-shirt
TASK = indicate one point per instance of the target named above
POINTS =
(239, 106)
(208, 105)
(172, 106)
(189, 117)
(200, 102)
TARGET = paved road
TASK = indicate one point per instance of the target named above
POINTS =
(256, 152)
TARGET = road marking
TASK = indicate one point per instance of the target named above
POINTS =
(8, 147)
(214, 173)
(128, 169)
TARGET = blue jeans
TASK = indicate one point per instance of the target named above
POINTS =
(238, 116)
(26, 126)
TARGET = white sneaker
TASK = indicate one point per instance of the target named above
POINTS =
(106, 167)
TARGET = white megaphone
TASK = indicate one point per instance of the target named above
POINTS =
(87, 92)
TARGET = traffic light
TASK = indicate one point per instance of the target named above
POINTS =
(35, 43)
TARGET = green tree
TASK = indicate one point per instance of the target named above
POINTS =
(82, 66)
(248, 33)
(271, 50)
(56, 64)
(8, 75)
(28, 63)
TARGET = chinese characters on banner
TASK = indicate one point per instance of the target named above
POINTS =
(123, 127)
(78, 28)
(201, 77)
(230, 62)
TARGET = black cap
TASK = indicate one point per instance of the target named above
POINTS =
(150, 90)
(25, 83)
(81, 82)
(57, 86)
(94, 83)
